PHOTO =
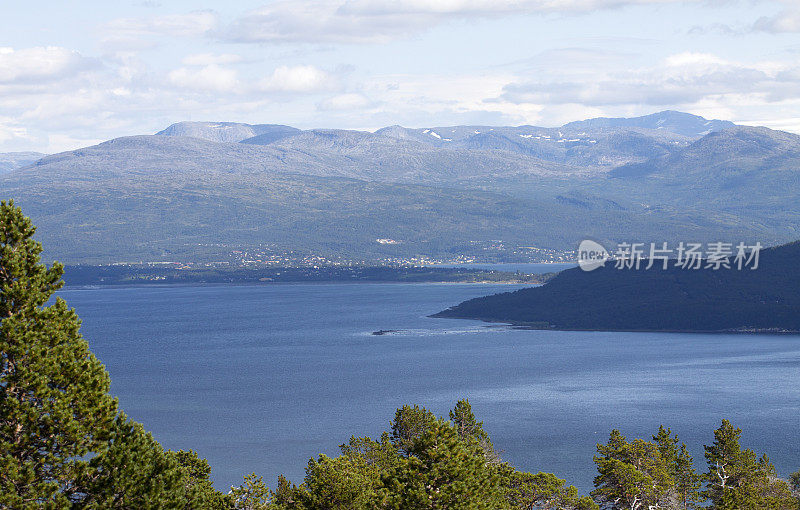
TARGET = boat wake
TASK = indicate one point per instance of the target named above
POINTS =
(417, 332)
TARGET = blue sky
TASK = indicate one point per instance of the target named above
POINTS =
(75, 74)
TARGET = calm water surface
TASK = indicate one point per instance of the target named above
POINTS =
(260, 378)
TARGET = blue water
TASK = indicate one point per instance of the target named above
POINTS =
(260, 378)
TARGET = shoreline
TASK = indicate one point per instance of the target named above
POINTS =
(90, 277)
(100, 286)
(522, 326)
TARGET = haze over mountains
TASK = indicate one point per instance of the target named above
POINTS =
(200, 190)
(12, 160)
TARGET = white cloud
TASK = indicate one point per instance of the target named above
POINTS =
(345, 102)
(489, 7)
(369, 21)
(425, 100)
(205, 59)
(681, 79)
(57, 142)
(207, 78)
(691, 59)
(50, 106)
(301, 21)
(179, 25)
(10, 132)
(787, 21)
(40, 64)
(302, 78)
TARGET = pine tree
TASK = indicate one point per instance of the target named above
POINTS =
(685, 491)
(630, 474)
(529, 491)
(253, 494)
(470, 429)
(286, 496)
(196, 484)
(54, 403)
(409, 423)
(440, 471)
(687, 480)
(667, 445)
(63, 443)
(738, 480)
(346, 482)
(133, 472)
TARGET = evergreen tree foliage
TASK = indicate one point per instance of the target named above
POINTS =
(738, 479)
(684, 493)
(133, 472)
(379, 455)
(631, 475)
(470, 429)
(440, 471)
(687, 481)
(409, 423)
(341, 483)
(55, 409)
(63, 442)
(252, 494)
(196, 484)
(424, 463)
(286, 496)
(545, 491)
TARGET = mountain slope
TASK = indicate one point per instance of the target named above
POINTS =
(162, 198)
(739, 152)
(99, 216)
(599, 147)
(325, 153)
(767, 298)
(751, 172)
(331, 191)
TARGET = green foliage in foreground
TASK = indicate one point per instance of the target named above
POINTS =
(425, 462)
(63, 441)
(64, 444)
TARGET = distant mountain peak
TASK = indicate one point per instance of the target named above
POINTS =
(748, 141)
(396, 131)
(682, 123)
(229, 131)
(742, 151)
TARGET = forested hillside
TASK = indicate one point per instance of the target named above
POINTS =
(675, 299)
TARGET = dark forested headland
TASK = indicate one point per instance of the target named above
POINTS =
(766, 299)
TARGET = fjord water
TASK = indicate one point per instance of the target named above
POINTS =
(261, 378)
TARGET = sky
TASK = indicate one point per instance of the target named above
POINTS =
(76, 73)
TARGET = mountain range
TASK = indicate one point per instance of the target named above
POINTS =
(199, 191)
